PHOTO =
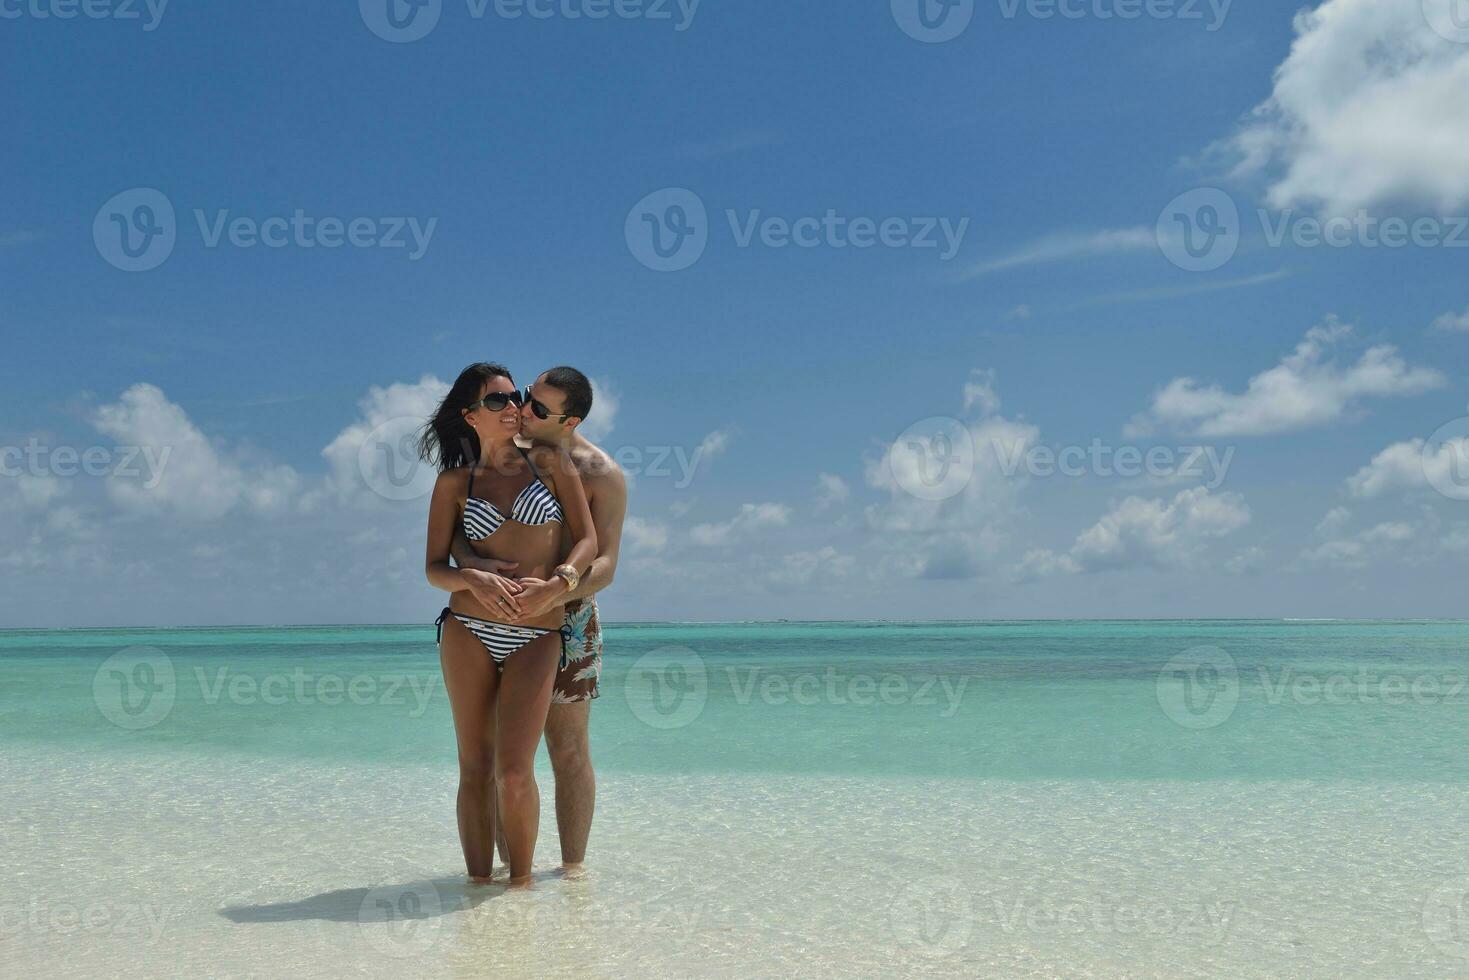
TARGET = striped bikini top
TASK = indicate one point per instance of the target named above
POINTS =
(536, 505)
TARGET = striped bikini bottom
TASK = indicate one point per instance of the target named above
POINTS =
(500, 640)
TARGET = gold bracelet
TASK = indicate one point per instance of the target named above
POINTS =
(570, 574)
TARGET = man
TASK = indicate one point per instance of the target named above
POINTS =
(559, 401)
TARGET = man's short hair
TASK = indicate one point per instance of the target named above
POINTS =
(575, 385)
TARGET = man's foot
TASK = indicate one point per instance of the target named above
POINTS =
(522, 882)
(481, 879)
(572, 870)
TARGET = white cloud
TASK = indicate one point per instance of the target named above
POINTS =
(605, 403)
(1151, 532)
(1353, 551)
(711, 447)
(1040, 563)
(1452, 322)
(644, 536)
(963, 534)
(1343, 553)
(371, 462)
(989, 491)
(1405, 466)
(39, 532)
(831, 491)
(31, 491)
(803, 567)
(194, 479)
(979, 392)
(1175, 292)
(272, 566)
(1334, 521)
(750, 517)
(1368, 109)
(986, 494)
(1457, 538)
(1058, 248)
(271, 489)
(181, 472)
(1246, 561)
(1307, 388)
(374, 459)
(1390, 532)
(1142, 533)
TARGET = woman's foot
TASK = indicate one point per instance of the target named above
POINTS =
(481, 879)
(523, 881)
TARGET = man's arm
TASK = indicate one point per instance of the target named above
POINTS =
(609, 509)
(460, 550)
(464, 557)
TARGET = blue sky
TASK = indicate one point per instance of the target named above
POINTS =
(526, 144)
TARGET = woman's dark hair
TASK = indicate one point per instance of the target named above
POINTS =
(447, 440)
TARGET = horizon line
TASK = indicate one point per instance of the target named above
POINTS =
(782, 622)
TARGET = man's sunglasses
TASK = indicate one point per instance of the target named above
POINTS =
(539, 410)
(496, 401)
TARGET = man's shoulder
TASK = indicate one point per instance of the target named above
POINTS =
(595, 463)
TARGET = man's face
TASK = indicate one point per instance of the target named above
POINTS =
(553, 400)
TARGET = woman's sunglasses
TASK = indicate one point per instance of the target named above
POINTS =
(496, 401)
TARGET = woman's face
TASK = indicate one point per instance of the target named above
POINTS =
(505, 422)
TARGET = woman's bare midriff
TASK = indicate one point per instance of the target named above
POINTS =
(538, 549)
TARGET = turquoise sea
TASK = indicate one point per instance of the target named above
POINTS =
(1119, 798)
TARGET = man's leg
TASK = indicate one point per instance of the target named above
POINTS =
(568, 740)
(569, 744)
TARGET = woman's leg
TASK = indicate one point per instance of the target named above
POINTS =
(471, 679)
(520, 716)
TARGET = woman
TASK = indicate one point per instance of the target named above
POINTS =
(499, 638)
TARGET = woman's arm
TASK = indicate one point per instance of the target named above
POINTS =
(443, 511)
(443, 520)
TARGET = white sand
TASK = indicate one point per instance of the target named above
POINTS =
(163, 866)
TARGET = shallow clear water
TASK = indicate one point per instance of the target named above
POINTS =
(1107, 798)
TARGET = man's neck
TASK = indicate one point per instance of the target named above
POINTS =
(570, 442)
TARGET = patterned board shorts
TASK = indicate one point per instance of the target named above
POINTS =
(581, 644)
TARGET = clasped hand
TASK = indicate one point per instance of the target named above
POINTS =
(518, 600)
